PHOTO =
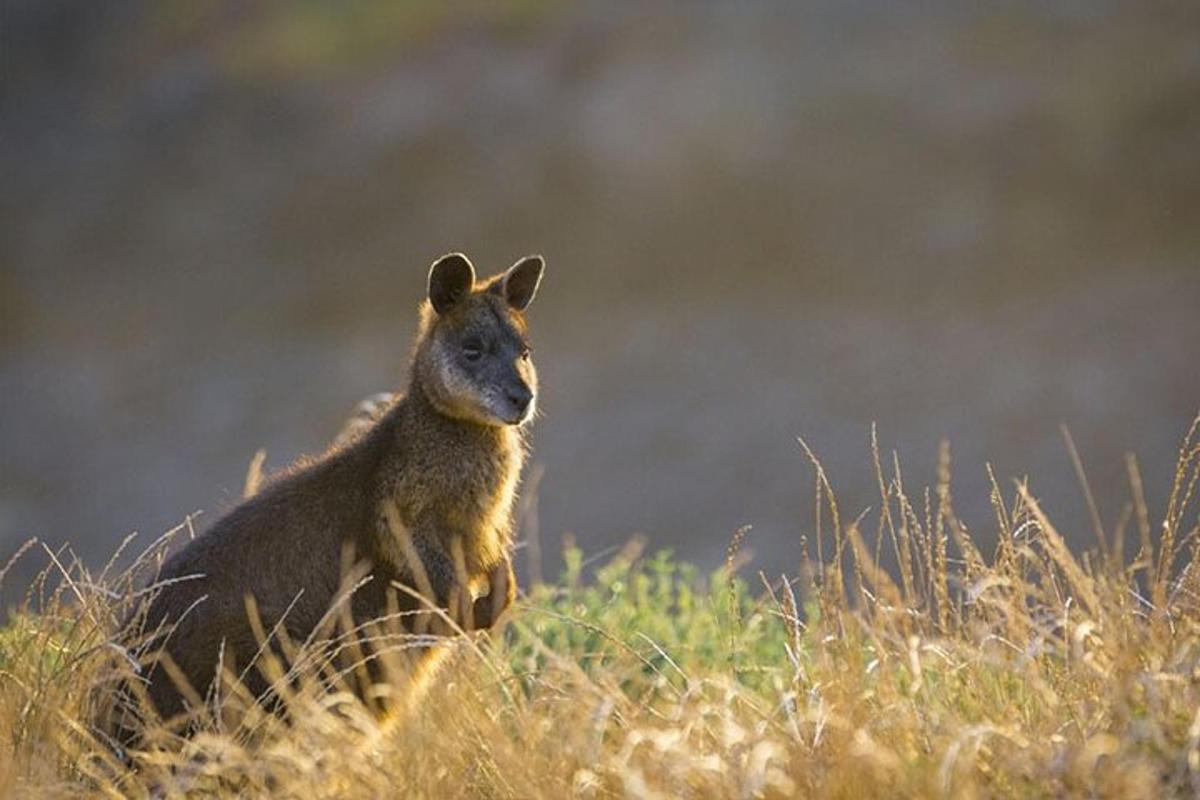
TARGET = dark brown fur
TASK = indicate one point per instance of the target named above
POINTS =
(440, 454)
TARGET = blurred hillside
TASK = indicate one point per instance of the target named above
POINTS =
(762, 220)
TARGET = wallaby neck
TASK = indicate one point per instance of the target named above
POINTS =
(434, 423)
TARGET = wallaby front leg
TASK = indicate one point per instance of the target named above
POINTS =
(435, 578)
(502, 595)
(452, 588)
(424, 563)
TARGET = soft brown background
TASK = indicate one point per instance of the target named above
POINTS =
(762, 220)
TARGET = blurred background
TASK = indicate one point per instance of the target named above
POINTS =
(761, 221)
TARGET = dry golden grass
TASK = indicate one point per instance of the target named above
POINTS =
(1030, 673)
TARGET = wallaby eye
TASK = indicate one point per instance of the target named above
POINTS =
(473, 349)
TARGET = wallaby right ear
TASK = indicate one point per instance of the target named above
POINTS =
(451, 278)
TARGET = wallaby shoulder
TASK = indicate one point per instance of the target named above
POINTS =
(287, 539)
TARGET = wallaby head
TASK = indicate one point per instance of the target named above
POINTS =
(473, 359)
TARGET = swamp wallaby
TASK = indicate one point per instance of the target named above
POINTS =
(422, 498)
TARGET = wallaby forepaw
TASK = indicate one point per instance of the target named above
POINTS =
(503, 592)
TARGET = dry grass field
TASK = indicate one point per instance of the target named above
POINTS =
(1032, 671)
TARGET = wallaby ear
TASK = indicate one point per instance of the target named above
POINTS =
(450, 279)
(520, 283)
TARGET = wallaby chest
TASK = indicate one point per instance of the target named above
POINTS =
(453, 480)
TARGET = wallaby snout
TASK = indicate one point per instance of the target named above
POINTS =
(520, 398)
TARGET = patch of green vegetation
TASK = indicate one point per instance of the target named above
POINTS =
(657, 611)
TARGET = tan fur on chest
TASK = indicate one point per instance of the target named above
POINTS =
(463, 490)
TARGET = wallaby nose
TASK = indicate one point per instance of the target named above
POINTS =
(520, 398)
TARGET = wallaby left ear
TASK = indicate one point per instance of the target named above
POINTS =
(520, 283)
(450, 280)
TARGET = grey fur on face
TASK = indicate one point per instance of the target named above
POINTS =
(482, 370)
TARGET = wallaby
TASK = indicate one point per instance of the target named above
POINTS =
(421, 498)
